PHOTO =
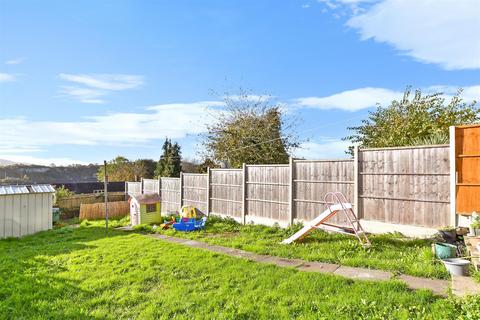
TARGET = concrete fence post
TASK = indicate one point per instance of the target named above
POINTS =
(356, 180)
(244, 193)
(453, 178)
(209, 178)
(291, 192)
(160, 187)
(181, 189)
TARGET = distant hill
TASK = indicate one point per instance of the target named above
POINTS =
(22, 173)
(15, 173)
(4, 162)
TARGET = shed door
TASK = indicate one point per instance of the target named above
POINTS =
(467, 164)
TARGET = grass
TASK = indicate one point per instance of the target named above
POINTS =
(391, 252)
(80, 273)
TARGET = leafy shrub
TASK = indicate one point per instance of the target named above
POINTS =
(61, 193)
(112, 223)
(144, 228)
(85, 223)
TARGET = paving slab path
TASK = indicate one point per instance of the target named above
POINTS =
(461, 286)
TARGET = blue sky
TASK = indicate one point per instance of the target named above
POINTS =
(83, 81)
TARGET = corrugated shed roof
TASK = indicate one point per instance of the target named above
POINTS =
(38, 188)
(13, 189)
(42, 188)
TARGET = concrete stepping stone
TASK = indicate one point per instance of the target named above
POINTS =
(283, 262)
(175, 240)
(159, 236)
(465, 286)
(363, 273)
(438, 287)
(318, 267)
(247, 255)
(126, 228)
(196, 244)
(219, 249)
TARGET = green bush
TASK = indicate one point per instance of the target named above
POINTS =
(112, 223)
(61, 193)
(144, 228)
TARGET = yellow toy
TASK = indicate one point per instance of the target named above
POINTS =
(188, 212)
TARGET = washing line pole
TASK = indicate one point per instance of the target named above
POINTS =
(105, 193)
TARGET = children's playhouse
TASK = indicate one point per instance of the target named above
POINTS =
(145, 208)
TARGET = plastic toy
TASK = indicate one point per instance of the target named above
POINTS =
(190, 224)
(188, 212)
(168, 224)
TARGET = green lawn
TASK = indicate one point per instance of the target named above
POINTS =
(80, 273)
(390, 252)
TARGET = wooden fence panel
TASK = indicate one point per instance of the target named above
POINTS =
(267, 194)
(151, 186)
(405, 185)
(170, 194)
(133, 188)
(195, 190)
(226, 192)
(94, 211)
(74, 201)
(315, 178)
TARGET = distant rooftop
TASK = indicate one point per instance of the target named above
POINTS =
(25, 189)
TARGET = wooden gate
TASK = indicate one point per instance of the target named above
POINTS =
(467, 167)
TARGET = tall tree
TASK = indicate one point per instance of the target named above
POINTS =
(170, 163)
(415, 119)
(122, 169)
(118, 169)
(250, 129)
(207, 163)
(145, 168)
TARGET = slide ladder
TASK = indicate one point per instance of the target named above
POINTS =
(335, 202)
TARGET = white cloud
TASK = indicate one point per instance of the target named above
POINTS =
(85, 95)
(350, 100)
(116, 129)
(40, 161)
(89, 88)
(347, 1)
(442, 32)
(105, 81)
(6, 77)
(15, 61)
(326, 149)
(357, 99)
(469, 94)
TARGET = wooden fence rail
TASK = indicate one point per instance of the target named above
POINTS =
(94, 211)
(407, 186)
(74, 201)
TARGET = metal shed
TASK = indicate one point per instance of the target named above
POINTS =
(25, 209)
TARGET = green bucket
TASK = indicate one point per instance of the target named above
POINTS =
(445, 250)
(55, 215)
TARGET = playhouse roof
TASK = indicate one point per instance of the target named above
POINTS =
(147, 198)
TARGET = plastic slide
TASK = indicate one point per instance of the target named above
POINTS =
(331, 211)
